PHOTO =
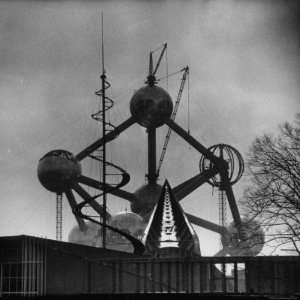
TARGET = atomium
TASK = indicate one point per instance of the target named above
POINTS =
(151, 107)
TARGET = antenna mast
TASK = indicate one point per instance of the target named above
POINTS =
(104, 195)
(109, 170)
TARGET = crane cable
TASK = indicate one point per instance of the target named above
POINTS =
(188, 104)
(167, 70)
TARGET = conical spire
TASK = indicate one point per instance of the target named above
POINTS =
(169, 232)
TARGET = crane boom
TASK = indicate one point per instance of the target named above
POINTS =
(167, 138)
(160, 58)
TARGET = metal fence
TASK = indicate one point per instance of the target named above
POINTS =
(39, 267)
(163, 276)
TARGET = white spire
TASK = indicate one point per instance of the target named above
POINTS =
(169, 228)
(168, 234)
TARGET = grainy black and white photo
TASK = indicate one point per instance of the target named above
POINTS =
(150, 147)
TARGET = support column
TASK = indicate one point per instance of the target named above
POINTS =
(151, 155)
(59, 217)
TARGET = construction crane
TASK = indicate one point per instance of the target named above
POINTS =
(167, 138)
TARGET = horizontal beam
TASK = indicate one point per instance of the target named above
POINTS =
(109, 189)
(187, 187)
(107, 138)
(206, 224)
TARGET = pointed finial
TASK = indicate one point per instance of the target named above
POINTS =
(151, 80)
(150, 64)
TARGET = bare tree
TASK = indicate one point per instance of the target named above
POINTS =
(273, 195)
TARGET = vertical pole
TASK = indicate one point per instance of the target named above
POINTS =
(38, 267)
(1, 279)
(212, 277)
(177, 277)
(145, 278)
(153, 275)
(184, 277)
(45, 260)
(120, 276)
(224, 283)
(192, 276)
(203, 276)
(138, 278)
(89, 277)
(103, 77)
(222, 203)
(160, 265)
(25, 266)
(235, 278)
(9, 277)
(33, 266)
(152, 155)
(169, 277)
(59, 217)
(30, 266)
(221, 208)
(103, 80)
(114, 279)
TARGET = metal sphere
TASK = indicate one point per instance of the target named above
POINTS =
(128, 222)
(151, 106)
(146, 198)
(252, 242)
(231, 156)
(90, 237)
(58, 170)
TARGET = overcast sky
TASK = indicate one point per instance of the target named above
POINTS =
(244, 58)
